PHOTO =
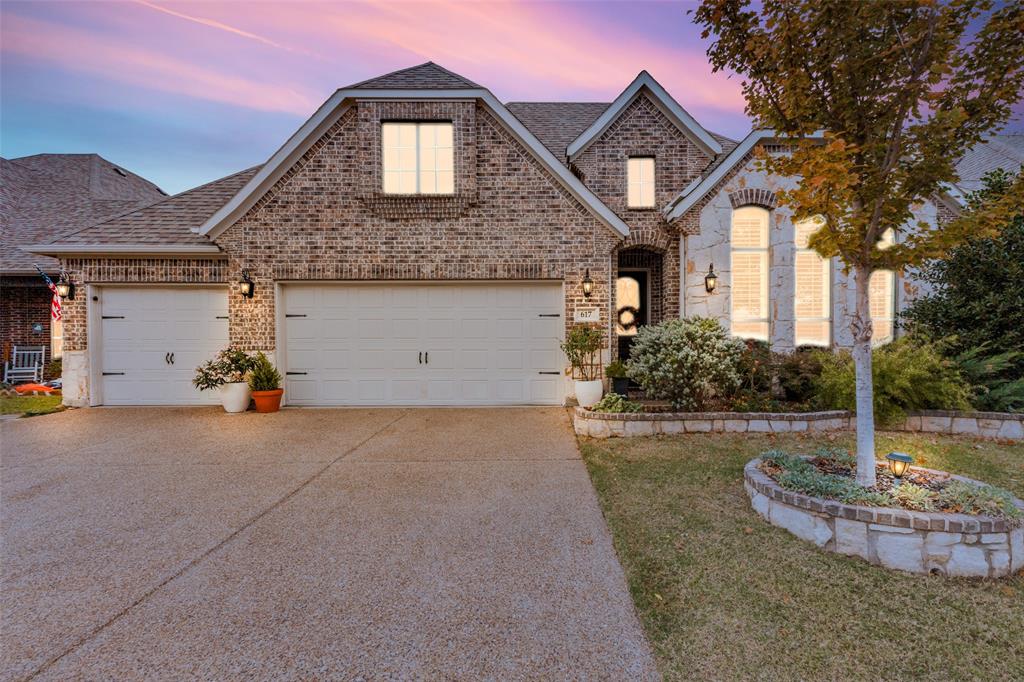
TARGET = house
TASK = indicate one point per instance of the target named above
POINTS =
(41, 197)
(417, 241)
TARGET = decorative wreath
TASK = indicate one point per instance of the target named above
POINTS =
(634, 312)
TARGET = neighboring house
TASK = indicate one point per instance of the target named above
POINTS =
(418, 242)
(1004, 151)
(42, 197)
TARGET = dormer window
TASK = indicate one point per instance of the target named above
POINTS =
(418, 158)
(640, 181)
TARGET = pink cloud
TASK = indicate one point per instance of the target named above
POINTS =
(84, 51)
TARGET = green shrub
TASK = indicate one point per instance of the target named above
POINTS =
(969, 498)
(263, 376)
(230, 366)
(689, 362)
(756, 366)
(810, 481)
(798, 372)
(616, 369)
(908, 375)
(581, 347)
(616, 404)
(913, 497)
(990, 375)
(54, 369)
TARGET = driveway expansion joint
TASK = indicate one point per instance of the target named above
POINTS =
(194, 562)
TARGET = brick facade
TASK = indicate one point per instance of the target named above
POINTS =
(643, 130)
(327, 220)
(25, 302)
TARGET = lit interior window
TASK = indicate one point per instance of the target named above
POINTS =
(418, 158)
(749, 273)
(640, 180)
(882, 295)
(812, 300)
(56, 338)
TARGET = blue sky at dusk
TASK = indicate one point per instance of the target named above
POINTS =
(186, 92)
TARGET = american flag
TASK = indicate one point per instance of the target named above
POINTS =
(55, 301)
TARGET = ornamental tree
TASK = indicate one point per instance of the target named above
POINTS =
(900, 89)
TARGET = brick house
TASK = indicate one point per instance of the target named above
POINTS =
(416, 241)
(42, 197)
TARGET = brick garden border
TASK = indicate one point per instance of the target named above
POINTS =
(963, 545)
(609, 425)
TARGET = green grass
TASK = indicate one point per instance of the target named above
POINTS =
(30, 405)
(723, 595)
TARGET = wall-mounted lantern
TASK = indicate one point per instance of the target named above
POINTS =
(247, 286)
(588, 284)
(711, 279)
(65, 287)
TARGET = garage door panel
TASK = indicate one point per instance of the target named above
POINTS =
(141, 327)
(486, 343)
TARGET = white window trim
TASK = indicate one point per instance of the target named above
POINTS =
(764, 253)
(419, 169)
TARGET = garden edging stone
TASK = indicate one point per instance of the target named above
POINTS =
(962, 545)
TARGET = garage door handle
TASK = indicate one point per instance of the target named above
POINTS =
(112, 317)
(421, 357)
(293, 373)
(113, 374)
(222, 317)
(549, 315)
(167, 358)
(548, 372)
(293, 315)
(172, 358)
(426, 357)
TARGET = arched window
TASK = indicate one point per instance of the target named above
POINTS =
(882, 294)
(749, 273)
(812, 284)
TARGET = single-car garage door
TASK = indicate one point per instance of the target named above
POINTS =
(423, 344)
(152, 340)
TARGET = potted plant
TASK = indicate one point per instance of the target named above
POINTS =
(226, 373)
(265, 382)
(616, 371)
(581, 347)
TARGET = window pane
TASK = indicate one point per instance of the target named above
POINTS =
(747, 286)
(640, 182)
(444, 135)
(750, 228)
(428, 183)
(881, 293)
(750, 330)
(634, 194)
(56, 338)
(647, 194)
(627, 295)
(748, 291)
(392, 182)
(445, 182)
(445, 159)
(406, 134)
(812, 333)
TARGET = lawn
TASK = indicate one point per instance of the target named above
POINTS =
(723, 595)
(30, 405)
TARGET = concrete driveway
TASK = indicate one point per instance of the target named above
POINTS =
(313, 544)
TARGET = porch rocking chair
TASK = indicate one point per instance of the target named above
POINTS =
(26, 364)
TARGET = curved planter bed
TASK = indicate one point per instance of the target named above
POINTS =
(918, 542)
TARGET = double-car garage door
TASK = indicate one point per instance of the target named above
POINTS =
(347, 344)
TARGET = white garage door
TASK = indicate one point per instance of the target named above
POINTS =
(152, 340)
(414, 344)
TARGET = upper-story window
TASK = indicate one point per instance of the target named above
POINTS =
(749, 273)
(418, 158)
(882, 297)
(812, 300)
(640, 181)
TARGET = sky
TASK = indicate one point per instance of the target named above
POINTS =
(186, 92)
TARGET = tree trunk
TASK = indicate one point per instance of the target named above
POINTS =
(862, 332)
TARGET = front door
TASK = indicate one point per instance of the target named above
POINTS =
(632, 302)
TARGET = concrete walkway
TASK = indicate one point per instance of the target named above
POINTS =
(308, 544)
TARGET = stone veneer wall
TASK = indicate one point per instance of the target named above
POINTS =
(918, 542)
(1006, 426)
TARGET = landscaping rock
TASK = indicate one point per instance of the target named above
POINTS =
(967, 561)
(902, 552)
(1011, 429)
(852, 538)
(802, 524)
(965, 425)
(697, 425)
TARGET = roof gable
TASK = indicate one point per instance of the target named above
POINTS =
(556, 124)
(331, 110)
(420, 77)
(644, 83)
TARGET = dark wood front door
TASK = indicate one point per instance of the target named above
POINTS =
(632, 301)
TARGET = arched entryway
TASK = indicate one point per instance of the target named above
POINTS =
(639, 293)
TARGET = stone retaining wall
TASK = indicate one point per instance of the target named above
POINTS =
(605, 425)
(918, 542)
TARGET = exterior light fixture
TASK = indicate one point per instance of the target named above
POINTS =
(898, 465)
(65, 287)
(247, 286)
(588, 284)
(711, 279)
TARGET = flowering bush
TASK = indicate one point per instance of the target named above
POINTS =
(688, 362)
(230, 366)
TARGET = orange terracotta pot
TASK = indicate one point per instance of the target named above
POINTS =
(268, 401)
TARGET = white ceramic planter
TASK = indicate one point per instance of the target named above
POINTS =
(235, 396)
(588, 392)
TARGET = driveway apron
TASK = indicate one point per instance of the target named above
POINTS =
(308, 544)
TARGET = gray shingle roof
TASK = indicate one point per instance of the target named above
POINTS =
(556, 124)
(166, 222)
(45, 195)
(997, 151)
(428, 76)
